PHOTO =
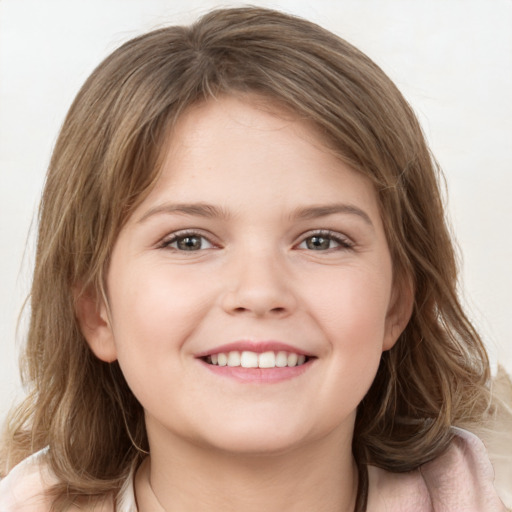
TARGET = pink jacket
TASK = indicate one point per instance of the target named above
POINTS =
(460, 480)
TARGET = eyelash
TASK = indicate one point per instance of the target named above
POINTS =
(343, 242)
(332, 236)
(180, 235)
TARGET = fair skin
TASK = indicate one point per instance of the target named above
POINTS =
(254, 239)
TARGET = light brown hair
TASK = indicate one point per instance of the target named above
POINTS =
(107, 159)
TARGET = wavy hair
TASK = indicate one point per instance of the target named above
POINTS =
(105, 162)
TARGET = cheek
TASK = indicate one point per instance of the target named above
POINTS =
(152, 318)
(352, 311)
(151, 298)
(352, 304)
(153, 314)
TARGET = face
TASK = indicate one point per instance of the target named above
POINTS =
(251, 293)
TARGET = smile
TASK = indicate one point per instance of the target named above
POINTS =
(249, 359)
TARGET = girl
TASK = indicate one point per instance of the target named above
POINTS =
(244, 294)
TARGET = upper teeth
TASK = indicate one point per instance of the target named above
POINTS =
(248, 359)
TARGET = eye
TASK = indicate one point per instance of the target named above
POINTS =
(325, 241)
(187, 242)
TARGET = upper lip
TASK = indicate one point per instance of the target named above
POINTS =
(254, 346)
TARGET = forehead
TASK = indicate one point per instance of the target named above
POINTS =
(238, 158)
(250, 138)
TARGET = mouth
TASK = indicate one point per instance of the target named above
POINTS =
(250, 359)
(257, 362)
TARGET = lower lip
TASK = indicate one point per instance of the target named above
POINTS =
(259, 375)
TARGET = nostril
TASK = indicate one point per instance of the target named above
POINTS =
(257, 301)
(275, 311)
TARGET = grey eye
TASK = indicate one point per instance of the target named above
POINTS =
(189, 243)
(319, 243)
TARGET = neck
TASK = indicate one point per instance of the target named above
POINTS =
(321, 476)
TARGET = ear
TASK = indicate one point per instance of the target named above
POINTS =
(93, 319)
(399, 312)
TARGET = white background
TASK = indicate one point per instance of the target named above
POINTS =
(451, 58)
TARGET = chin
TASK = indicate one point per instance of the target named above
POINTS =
(255, 438)
(263, 445)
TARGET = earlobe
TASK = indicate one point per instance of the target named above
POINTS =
(94, 322)
(399, 312)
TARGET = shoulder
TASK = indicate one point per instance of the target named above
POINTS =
(462, 478)
(26, 488)
(463, 475)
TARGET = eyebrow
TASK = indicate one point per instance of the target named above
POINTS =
(210, 211)
(195, 209)
(313, 212)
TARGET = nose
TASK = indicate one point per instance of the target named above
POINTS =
(259, 285)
